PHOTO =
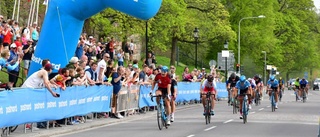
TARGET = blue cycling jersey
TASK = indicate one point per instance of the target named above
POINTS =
(303, 82)
(243, 86)
(273, 84)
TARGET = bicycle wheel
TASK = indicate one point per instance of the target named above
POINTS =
(272, 102)
(304, 96)
(244, 112)
(159, 118)
(207, 115)
(234, 105)
(296, 95)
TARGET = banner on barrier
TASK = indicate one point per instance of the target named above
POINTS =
(145, 99)
(35, 105)
(188, 91)
(222, 90)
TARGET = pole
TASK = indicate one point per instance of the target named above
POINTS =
(265, 68)
(239, 45)
(146, 39)
(29, 18)
(18, 11)
(33, 10)
(196, 53)
(37, 15)
(177, 55)
(14, 9)
(226, 69)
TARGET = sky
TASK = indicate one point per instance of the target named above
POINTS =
(317, 4)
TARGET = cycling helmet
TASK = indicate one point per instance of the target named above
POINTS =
(280, 77)
(243, 78)
(256, 76)
(233, 76)
(210, 78)
(164, 69)
(272, 78)
(249, 79)
(297, 79)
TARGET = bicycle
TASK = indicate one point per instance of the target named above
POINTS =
(272, 99)
(257, 99)
(245, 108)
(304, 95)
(296, 92)
(8, 130)
(207, 113)
(161, 114)
(280, 94)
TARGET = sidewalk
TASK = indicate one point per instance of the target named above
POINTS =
(90, 123)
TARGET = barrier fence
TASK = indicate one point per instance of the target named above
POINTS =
(36, 105)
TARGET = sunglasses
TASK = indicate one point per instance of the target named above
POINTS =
(106, 57)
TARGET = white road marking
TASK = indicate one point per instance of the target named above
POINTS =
(210, 128)
(261, 109)
(190, 136)
(286, 122)
(228, 121)
(252, 112)
(268, 106)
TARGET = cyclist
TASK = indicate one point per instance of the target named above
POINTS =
(231, 83)
(259, 84)
(253, 86)
(297, 87)
(273, 84)
(164, 86)
(208, 86)
(281, 87)
(174, 91)
(243, 86)
(303, 86)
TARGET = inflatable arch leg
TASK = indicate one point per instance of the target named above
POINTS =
(64, 21)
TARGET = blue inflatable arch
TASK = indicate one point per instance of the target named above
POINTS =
(64, 21)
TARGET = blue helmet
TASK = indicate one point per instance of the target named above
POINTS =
(243, 78)
(164, 69)
(272, 77)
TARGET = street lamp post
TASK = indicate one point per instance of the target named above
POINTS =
(226, 44)
(261, 16)
(196, 36)
(265, 67)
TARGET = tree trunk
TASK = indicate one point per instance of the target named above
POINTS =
(173, 50)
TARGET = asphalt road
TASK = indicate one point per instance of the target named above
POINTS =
(292, 119)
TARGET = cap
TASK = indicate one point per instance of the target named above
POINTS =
(48, 67)
(1, 16)
(90, 37)
(59, 78)
(30, 40)
(13, 45)
(74, 60)
(135, 66)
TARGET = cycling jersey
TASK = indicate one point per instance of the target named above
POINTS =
(253, 84)
(296, 83)
(163, 81)
(303, 83)
(243, 86)
(209, 86)
(258, 81)
(281, 82)
(273, 84)
(233, 82)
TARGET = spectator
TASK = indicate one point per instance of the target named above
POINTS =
(7, 36)
(40, 79)
(5, 55)
(150, 60)
(35, 33)
(186, 76)
(60, 79)
(116, 83)
(79, 49)
(13, 74)
(24, 39)
(130, 67)
(73, 63)
(143, 77)
(120, 57)
(202, 73)
(102, 66)
(28, 51)
(98, 51)
(127, 52)
(91, 73)
(173, 72)
(82, 64)
(134, 76)
(131, 49)
(109, 70)
(111, 45)
(153, 75)
(80, 77)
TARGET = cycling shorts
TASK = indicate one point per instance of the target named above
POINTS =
(242, 91)
(212, 90)
(303, 85)
(164, 92)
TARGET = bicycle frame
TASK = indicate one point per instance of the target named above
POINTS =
(257, 97)
(208, 107)
(161, 113)
(245, 108)
(273, 102)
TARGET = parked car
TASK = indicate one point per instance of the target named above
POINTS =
(316, 83)
(291, 83)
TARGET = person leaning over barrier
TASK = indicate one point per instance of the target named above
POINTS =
(39, 79)
(116, 83)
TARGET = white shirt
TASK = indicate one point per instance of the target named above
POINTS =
(101, 64)
(131, 46)
(34, 81)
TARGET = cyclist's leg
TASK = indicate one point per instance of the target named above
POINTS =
(203, 98)
(276, 95)
(240, 99)
(213, 96)
(234, 92)
(158, 92)
(253, 93)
